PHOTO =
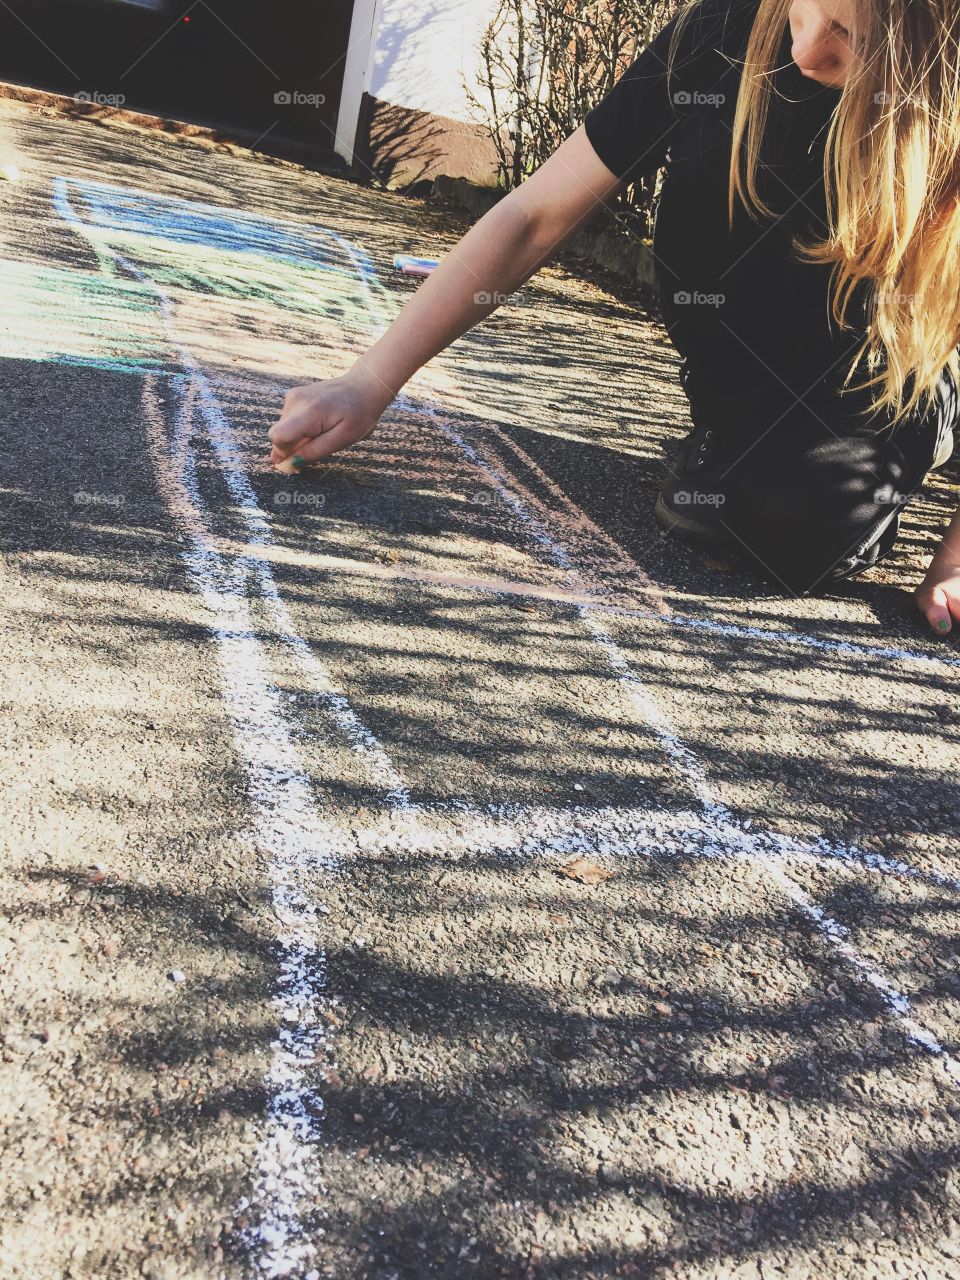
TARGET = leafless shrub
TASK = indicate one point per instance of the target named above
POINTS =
(545, 64)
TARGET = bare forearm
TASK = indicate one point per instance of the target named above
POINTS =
(494, 257)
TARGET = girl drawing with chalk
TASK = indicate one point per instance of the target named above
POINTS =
(807, 249)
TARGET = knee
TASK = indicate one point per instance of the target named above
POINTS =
(803, 521)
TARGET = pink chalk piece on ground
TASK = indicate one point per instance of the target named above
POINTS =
(414, 266)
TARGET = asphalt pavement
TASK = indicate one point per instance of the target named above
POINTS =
(424, 866)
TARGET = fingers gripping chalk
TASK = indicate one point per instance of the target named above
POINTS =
(323, 417)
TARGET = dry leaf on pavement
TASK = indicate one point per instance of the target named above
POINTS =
(585, 871)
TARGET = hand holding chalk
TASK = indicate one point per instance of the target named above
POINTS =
(323, 417)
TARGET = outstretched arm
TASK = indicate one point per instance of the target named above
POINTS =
(496, 255)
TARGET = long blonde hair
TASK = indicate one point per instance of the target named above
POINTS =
(892, 176)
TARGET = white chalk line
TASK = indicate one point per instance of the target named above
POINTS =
(803, 639)
(619, 831)
(260, 537)
(288, 829)
(689, 767)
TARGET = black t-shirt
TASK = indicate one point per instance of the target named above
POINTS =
(747, 314)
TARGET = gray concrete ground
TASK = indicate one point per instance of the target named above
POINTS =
(293, 984)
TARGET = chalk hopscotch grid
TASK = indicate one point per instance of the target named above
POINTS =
(290, 830)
